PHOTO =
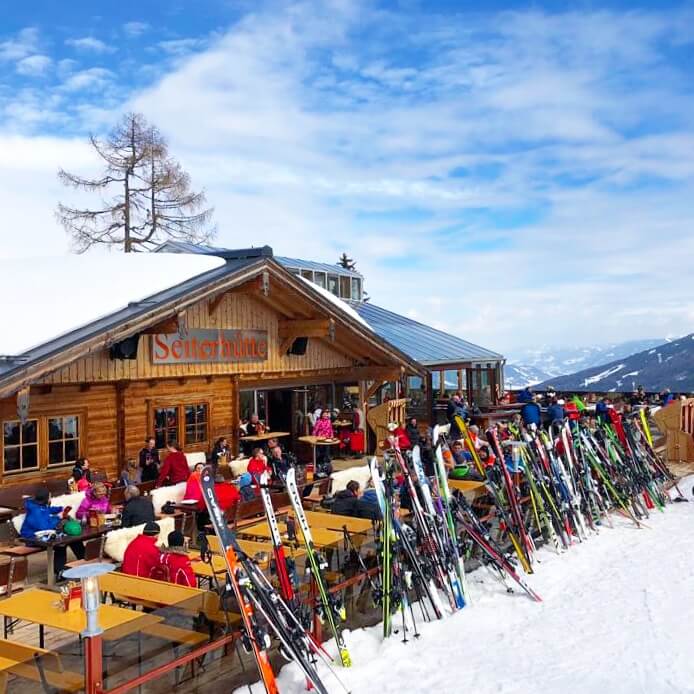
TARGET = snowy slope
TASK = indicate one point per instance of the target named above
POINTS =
(670, 365)
(529, 366)
(616, 617)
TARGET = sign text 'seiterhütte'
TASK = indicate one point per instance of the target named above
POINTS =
(205, 346)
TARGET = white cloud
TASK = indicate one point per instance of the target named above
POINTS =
(90, 44)
(512, 177)
(34, 65)
(25, 42)
(134, 29)
(91, 78)
(181, 46)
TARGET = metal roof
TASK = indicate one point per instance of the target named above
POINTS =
(427, 345)
(300, 264)
(297, 263)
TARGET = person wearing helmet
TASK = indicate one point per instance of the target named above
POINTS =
(246, 489)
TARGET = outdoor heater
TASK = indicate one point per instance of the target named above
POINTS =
(88, 574)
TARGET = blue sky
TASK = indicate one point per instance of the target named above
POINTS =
(518, 174)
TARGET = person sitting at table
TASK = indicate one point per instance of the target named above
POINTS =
(257, 465)
(174, 562)
(130, 474)
(40, 516)
(142, 554)
(95, 500)
(348, 503)
(136, 509)
(193, 490)
(149, 460)
(227, 493)
(279, 462)
(220, 451)
(81, 471)
(255, 426)
(175, 467)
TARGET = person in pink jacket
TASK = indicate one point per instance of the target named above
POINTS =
(95, 499)
(323, 428)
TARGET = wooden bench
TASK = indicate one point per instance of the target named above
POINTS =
(38, 665)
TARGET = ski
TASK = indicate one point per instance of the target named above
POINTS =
(327, 601)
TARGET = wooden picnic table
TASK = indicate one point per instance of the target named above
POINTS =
(151, 592)
(334, 521)
(63, 541)
(466, 485)
(266, 436)
(42, 607)
(321, 536)
(252, 547)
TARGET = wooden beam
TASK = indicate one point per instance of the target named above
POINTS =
(373, 389)
(317, 327)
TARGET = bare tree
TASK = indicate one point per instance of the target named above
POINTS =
(145, 194)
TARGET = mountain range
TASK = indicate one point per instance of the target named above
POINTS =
(669, 365)
(540, 364)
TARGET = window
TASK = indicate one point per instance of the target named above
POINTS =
(186, 424)
(20, 445)
(333, 286)
(196, 423)
(320, 279)
(307, 274)
(165, 425)
(356, 289)
(345, 288)
(63, 440)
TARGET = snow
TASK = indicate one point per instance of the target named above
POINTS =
(616, 617)
(44, 298)
(602, 374)
(336, 301)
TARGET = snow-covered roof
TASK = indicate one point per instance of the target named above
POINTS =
(44, 298)
(343, 306)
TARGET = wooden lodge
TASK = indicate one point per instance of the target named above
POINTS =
(180, 364)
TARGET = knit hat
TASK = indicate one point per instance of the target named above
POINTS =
(42, 494)
(151, 528)
(176, 539)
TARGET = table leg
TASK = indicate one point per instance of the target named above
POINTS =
(41, 636)
(50, 560)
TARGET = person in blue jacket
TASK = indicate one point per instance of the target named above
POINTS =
(531, 414)
(555, 412)
(41, 516)
(602, 411)
(526, 395)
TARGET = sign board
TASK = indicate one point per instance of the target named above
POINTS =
(210, 346)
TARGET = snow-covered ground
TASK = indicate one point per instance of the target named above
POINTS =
(617, 616)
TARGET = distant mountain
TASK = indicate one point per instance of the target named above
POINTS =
(669, 365)
(531, 366)
(518, 376)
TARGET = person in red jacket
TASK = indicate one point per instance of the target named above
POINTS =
(174, 562)
(227, 493)
(142, 554)
(257, 465)
(397, 432)
(175, 466)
